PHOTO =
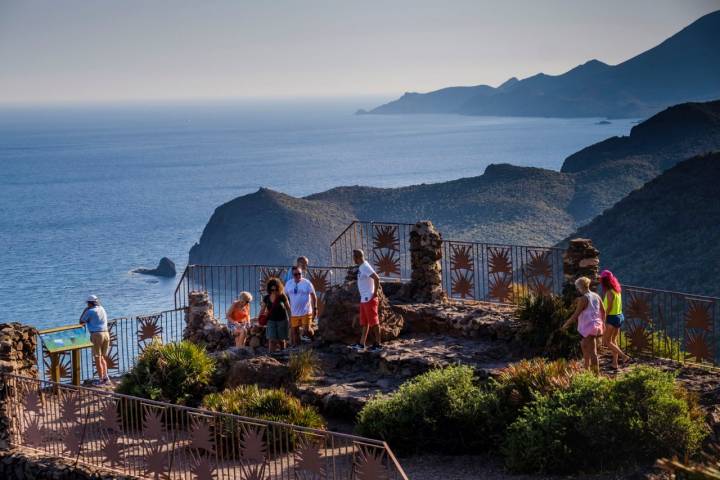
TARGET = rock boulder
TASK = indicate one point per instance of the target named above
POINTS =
(263, 371)
(166, 268)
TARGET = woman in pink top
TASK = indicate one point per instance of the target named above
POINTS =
(590, 315)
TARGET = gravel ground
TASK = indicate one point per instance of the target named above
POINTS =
(471, 467)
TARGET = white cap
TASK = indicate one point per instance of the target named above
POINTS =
(93, 298)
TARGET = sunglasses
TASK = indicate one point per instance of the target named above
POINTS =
(297, 274)
(272, 289)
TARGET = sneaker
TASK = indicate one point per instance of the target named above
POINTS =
(357, 346)
(376, 348)
(306, 339)
(96, 382)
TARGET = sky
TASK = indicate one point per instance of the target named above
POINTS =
(128, 50)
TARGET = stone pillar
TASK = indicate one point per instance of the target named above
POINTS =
(581, 259)
(17, 356)
(425, 261)
(202, 327)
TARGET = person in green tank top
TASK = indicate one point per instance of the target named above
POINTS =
(612, 302)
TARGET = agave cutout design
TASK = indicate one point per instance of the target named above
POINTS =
(69, 406)
(387, 263)
(63, 361)
(386, 237)
(268, 273)
(319, 279)
(539, 266)
(540, 287)
(638, 335)
(32, 401)
(308, 460)
(112, 357)
(697, 346)
(699, 315)
(152, 423)
(73, 439)
(463, 285)
(203, 469)
(369, 465)
(499, 260)
(110, 417)
(639, 306)
(461, 257)
(112, 450)
(253, 452)
(501, 287)
(34, 432)
(156, 462)
(201, 438)
(148, 328)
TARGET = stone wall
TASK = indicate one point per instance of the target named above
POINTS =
(27, 466)
(581, 259)
(425, 260)
(202, 327)
(17, 356)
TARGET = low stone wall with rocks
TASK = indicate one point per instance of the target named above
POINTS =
(15, 465)
(460, 319)
(202, 327)
(17, 356)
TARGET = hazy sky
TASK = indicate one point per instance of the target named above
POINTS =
(66, 50)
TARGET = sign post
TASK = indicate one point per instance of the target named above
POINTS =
(70, 338)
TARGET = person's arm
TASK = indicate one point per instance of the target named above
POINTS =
(603, 313)
(83, 316)
(610, 301)
(313, 298)
(581, 305)
(376, 284)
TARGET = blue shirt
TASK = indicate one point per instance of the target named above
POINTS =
(95, 318)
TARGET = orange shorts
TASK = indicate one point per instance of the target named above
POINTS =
(301, 321)
(369, 313)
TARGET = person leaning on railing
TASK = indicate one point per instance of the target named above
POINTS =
(95, 318)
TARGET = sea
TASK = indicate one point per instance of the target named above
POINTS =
(90, 192)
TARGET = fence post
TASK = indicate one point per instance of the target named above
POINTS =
(426, 263)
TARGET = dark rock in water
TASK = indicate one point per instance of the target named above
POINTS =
(166, 268)
(603, 122)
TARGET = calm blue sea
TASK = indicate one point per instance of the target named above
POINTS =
(89, 193)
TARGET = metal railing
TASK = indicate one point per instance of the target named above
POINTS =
(225, 282)
(128, 338)
(149, 439)
(386, 247)
(470, 270)
(673, 325)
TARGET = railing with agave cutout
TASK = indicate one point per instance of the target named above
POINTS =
(148, 439)
(470, 270)
(660, 324)
(128, 338)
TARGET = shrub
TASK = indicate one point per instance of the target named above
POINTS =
(660, 345)
(267, 404)
(643, 414)
(303, 365)
(178, 373)
(542, 316)
(441, 410)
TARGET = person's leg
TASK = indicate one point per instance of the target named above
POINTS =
(376, 334)
(594, 360)
(241, 336)
(607, 341)
(363, 339)
(585, 347)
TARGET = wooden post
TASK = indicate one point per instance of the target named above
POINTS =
(55, 367)
(76, 367)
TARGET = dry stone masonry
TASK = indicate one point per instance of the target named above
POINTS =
(17, 356)
(201, 325)
(581, 259)
(425, 260)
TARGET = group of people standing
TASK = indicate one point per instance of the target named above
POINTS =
(599, 320)
(289, 309)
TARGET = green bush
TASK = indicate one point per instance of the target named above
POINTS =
(303, 365)
(643, 414)
(542, 316)
(178, 373)
(441, 410)
(267, 404)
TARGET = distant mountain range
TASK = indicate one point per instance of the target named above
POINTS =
(665, 234)
(685, 67)
(506, 204)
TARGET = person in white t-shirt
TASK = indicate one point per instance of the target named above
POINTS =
(303, 305)
(368, 285)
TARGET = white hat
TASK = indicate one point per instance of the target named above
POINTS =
(93, 299)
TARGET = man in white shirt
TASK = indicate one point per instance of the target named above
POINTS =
(368, 284)
(303, 305)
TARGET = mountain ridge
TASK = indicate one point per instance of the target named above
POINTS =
(682, 68)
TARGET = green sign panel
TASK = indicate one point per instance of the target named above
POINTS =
(66, 338)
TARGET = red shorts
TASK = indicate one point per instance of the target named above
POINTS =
(369, 313)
